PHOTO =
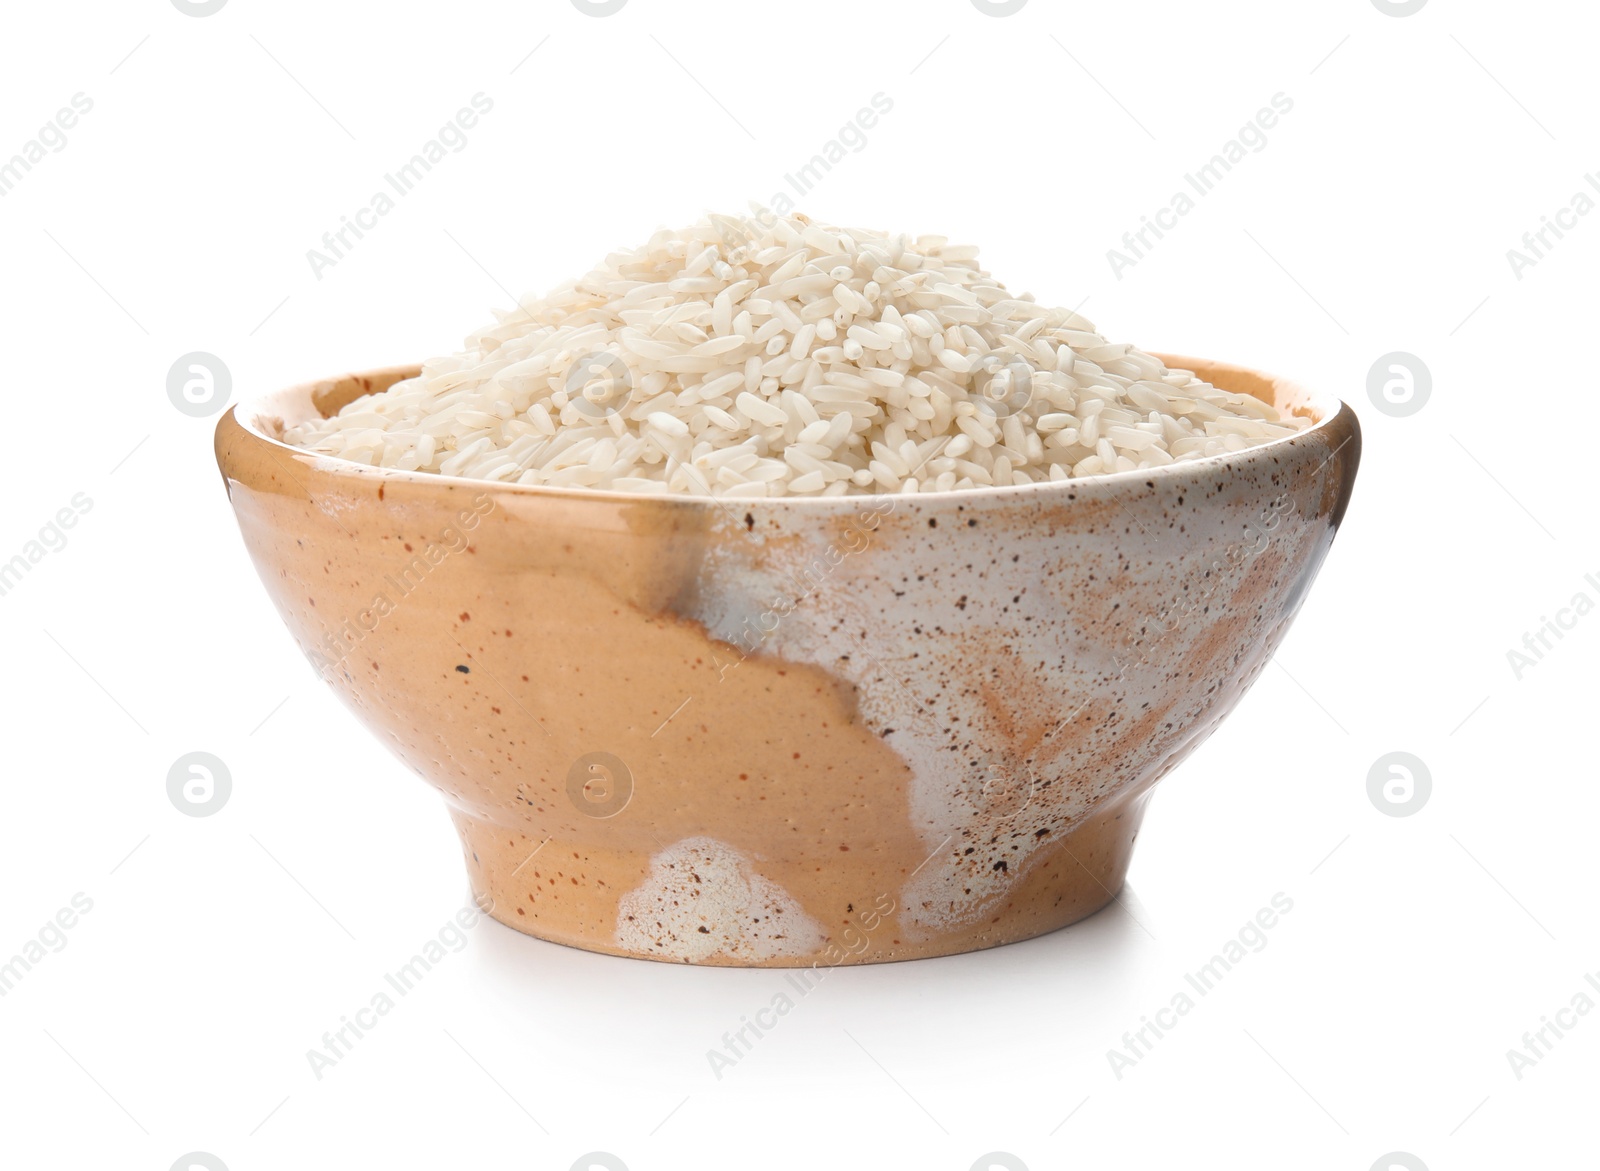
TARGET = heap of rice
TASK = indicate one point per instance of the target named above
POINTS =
(769, 356)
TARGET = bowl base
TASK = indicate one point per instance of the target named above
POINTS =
(567, 893)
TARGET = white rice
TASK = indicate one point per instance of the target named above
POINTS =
(775, 356)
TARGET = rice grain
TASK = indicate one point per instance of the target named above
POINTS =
(772, 356)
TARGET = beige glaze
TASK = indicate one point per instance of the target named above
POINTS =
(791, 732)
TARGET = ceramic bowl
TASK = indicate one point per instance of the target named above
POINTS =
(798, 732)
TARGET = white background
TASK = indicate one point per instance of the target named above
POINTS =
(177, 217)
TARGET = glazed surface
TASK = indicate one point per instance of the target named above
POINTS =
(792, 733)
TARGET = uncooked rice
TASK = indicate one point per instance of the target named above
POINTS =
(774, 356)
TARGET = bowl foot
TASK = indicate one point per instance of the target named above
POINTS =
(575, 894)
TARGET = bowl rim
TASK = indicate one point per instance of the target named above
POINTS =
(1331, 414)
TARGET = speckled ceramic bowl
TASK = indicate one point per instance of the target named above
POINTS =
(793, 732)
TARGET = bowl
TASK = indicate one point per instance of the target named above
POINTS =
(796, 732)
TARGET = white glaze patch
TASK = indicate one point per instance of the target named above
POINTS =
(703, 899)
(990, 659)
